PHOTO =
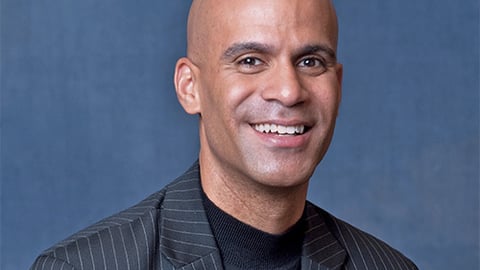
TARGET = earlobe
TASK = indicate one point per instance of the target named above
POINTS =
(185, 86)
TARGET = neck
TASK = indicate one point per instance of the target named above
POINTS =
(270, 209)
(267, 251)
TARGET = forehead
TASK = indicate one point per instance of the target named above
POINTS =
(272, 22)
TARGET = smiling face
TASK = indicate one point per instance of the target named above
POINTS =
(263, 76)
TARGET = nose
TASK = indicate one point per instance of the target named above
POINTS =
(284, 87)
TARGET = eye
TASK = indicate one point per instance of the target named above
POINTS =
(312, 65)
(250, 61)
(250, 65)
(312, 62)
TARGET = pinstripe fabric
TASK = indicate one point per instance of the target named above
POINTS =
(170, 230)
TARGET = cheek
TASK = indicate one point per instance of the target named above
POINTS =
(329, 101)
(232, 94)
(240, 87)
(223, 102)
(327, 94)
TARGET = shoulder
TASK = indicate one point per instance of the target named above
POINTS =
(110, 241)
(364, 249)
(129, 237)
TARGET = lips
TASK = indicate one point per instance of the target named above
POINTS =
(280, 129)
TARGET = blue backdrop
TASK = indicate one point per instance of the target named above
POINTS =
(90, 123)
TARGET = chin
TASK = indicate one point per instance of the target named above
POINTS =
(283, 178)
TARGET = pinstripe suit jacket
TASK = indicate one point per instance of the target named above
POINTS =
(170, 230)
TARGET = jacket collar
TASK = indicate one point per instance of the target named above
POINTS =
(321, 250)
(188, 242)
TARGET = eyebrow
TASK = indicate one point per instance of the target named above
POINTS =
(310, 49)
(239, 48)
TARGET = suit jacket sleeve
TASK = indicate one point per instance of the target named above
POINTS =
(48, 262)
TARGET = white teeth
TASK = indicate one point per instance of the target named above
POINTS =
(273, 128)
(281, 130)
(290, 130)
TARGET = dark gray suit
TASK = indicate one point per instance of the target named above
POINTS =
(170, 230)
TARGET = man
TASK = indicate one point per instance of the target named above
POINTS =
(264, 79)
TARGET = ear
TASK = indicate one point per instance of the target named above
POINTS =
(339, 71)
(186, 85)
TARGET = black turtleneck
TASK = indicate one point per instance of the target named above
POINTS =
(244, 247)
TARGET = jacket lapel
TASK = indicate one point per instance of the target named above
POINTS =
(321, 250)
(186, 239)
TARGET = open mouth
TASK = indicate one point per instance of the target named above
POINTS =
(280, 130)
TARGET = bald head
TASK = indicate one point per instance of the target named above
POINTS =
(254, 63)
(210, 19)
